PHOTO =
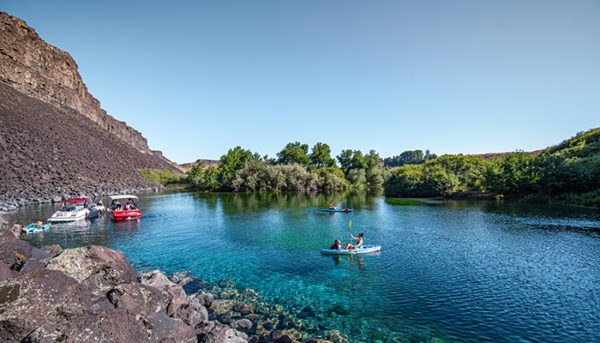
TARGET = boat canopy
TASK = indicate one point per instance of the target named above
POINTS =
(77, 200)
(124, 196)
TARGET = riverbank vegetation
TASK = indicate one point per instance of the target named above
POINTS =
(568, 173)
(163, 177)
(294, 169)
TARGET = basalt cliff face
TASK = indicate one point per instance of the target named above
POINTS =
(44, 72)
(55, 140)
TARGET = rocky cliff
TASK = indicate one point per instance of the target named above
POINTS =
(44, 72)
(55, 140)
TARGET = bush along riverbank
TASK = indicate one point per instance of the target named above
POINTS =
(295, 170)
(93, 294)
(566, 174)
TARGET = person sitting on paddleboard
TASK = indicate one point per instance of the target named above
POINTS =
(337, 245)
(359, 242)
(331, 207)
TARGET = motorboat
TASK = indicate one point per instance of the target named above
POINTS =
(119, 212)
(74, 209)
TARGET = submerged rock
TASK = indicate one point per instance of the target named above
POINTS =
(215, 332)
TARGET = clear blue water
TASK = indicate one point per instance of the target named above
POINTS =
(459, 271)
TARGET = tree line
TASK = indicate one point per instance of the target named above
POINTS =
(294, 169)
(568, 173)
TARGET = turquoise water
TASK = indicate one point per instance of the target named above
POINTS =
(458, 271)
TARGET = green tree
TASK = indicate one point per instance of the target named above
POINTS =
(345, 159)
(294, 153)
(321, 156)
(405, 181)
(438, 181)
(235, 160)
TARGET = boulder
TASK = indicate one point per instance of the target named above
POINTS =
(215, 332)
(7, 251)
(242, 324)
(116, 325)
(205, 299)
(137, 298)
(5, 272)
(31, 258)
(173, 293)
(163, 328)
(41, 297)
(97, 267)
(53, 249)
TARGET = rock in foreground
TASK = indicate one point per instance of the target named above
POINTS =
(93, 294)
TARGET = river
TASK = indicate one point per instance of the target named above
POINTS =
(447, 271)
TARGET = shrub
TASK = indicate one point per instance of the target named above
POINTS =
(159, 176)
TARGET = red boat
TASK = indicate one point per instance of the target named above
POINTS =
(119, 212)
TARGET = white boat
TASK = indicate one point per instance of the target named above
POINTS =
(365, 249)
(74, 209)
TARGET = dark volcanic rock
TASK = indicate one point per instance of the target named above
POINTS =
(215, 332)
(97, 267)
(55, 140)
(116, 325)
(137, 298)
(53, 249)
(49, 74)
(92, 294)
(5, 272)
(7, 244)
(39, 298)
(163, 327)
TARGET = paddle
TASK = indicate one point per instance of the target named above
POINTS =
(350, 225)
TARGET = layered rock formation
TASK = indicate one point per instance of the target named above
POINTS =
(55, 140)
(48, 153)
(47, 73)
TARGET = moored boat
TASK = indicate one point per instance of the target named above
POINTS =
(73, 209)
(119, 212)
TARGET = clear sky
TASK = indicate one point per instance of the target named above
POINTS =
(200, 77)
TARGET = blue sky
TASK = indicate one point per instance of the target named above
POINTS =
(198, 77)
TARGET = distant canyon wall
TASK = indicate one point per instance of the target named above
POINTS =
(44, 72)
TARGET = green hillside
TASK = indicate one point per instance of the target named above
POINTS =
(568, 173)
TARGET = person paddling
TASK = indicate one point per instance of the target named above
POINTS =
(359, 242)
(331, 207)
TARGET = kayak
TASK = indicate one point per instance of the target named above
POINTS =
(338, 210)
(31, 228)
(365, 249)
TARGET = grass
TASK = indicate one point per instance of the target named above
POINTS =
(405, 202)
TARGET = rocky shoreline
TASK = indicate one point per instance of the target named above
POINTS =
(58, 194)
(93, 293)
